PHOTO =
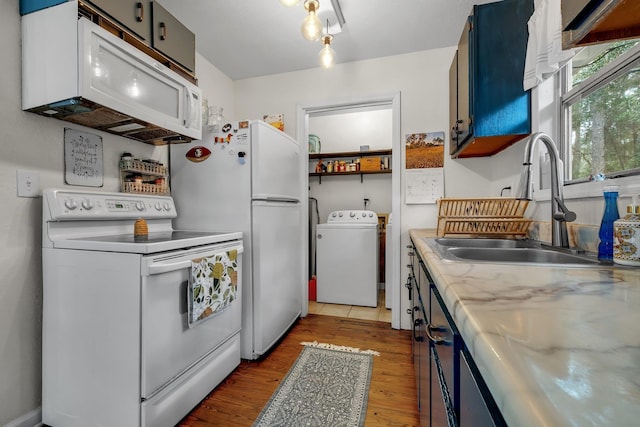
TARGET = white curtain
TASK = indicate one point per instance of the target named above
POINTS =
(544, 48)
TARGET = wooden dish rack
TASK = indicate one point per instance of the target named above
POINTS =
(491, 216)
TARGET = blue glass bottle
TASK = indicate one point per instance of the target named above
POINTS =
(605, 248)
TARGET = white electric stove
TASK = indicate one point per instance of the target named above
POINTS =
(118, 349)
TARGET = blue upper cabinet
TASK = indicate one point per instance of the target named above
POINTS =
(28, 6)
(489, 108)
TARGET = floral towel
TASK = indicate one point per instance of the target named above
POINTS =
(213, 285)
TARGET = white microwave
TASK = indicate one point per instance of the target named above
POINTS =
(74, 70)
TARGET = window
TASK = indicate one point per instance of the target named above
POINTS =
(601, 112)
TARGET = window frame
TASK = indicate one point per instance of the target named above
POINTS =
(602, 77)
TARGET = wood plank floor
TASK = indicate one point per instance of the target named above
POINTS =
(238, 400)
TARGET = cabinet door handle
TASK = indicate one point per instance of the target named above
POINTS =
(417, 323)
(434, 339)
(163, 31)
(437, 328)
(139, 12)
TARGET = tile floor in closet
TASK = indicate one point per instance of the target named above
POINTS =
(379, 313)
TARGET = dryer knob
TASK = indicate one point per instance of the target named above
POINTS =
(334, 214)
(340, 214)
(158, 206)
(364, 214)
(140, 206)
(352, 214)
(87, 204)
(167, 206)
(370, 215)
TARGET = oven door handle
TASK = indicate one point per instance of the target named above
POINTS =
(167, 266)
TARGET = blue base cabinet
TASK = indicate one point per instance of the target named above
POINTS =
(489, 109)
(451, 390)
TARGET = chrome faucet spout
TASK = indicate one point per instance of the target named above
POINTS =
(560, 214)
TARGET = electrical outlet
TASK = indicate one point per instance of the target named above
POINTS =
(28, 183)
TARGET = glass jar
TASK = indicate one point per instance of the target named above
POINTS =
(216, 119)
(610, 215)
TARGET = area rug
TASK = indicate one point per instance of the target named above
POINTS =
(326, 386)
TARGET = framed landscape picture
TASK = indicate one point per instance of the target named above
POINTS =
(425, 150)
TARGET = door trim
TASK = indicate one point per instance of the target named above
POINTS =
(392, 101)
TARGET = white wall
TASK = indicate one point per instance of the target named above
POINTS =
(216, 87)
(347, 131)
(35, 143)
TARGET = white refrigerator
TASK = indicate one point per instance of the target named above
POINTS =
(246, 177)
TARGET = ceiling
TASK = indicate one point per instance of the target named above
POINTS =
(250, 38)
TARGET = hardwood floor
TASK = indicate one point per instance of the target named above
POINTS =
(238, 400)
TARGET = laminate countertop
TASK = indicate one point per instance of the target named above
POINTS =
(556, 346)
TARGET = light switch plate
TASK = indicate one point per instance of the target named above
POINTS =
(28, 183)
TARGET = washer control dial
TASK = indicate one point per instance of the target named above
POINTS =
(140, 206)
(87, 204)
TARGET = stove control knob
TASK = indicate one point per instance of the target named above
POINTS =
(352, 214)
(167, 206)
(70, 204)
(158, 206)
(140, 206)
(87, 204)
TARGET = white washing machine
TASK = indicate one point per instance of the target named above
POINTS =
(347, 258)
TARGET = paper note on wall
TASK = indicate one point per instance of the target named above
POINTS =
(424, 186)
(82, 158)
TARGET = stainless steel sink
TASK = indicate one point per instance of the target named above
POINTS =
(460, 242)
(503, 251)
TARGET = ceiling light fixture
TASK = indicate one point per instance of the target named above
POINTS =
(289, 3)
(327, 55)
(311, 26)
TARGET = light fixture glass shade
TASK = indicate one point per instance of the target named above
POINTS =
(327, 55)
(289, 3)
(311, 27)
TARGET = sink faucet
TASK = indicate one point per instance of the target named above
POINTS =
(560, 214)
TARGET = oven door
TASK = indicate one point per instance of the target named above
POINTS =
(169, 346)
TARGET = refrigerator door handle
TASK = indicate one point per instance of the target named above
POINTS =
(275, 199)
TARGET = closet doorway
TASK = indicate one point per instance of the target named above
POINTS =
(343, 127)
